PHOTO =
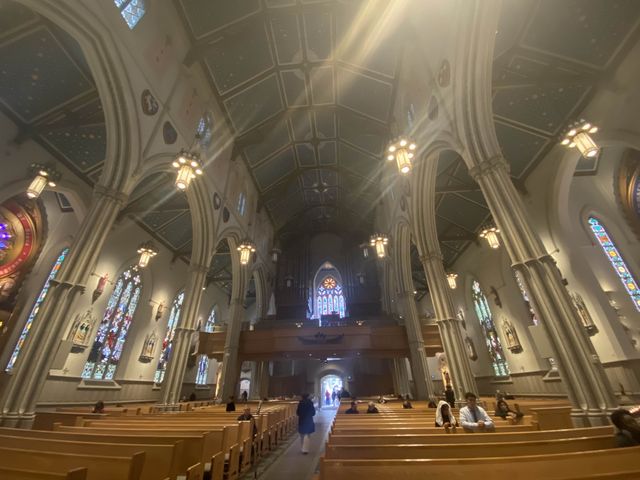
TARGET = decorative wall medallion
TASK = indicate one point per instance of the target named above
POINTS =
(444, 75)
(217, 201)
(149, 103)
(169, 133)
(432, 108)
(225, 214)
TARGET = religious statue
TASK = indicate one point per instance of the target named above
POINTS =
(460, 316)
(148, 348)
(471, 349)
(160, 311)
(443, 366)
(80, 333)
(583, 313)
(102, 282)
(511, 336)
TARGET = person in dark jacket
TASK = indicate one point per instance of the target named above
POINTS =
(353, 409)
(372, 408)
(628, 429)
(407, 402)
(504, 411)
(450, 396)
(306, 427)
(231, 404)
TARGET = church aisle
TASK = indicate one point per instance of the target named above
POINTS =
(293, 464)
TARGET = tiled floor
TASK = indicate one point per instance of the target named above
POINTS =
(289, 463)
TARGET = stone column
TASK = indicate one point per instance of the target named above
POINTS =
(402, 377)
(261, 389)
(449, 326)
(186, 329)
(31, 370)
(582, 373)
(230, 367)
(417, 354)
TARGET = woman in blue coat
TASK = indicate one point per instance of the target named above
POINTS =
(306, 427)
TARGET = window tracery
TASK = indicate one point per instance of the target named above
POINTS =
(498, 361)
(330, 298)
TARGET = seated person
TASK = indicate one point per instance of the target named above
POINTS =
(381, 399)
(231, 404)
(407, 402)
(444, 417)
(372, 408)
(246, 416)
(628, 429)
(353, 409)
(98, 407)
(432, 403)
(504, 411)
(474, 418)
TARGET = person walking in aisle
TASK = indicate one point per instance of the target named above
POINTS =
(306, 427)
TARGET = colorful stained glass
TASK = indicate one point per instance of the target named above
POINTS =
(330, 299)
(112, 332)
(131, 10)
(617, 262)
(498, 361)
(203, 370)
(205, 130)
(525, 296)
(34, 310)
(211, 321)
(167, 343)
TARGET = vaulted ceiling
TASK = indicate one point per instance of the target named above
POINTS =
(308, 88)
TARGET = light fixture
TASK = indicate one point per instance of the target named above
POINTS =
(288, 281)
(402, 151)
(451, 278)
(299, 325)
(360, 278)
(358, 323)
(490, 233)
(275, 253)
(365, 250)
(147, 251)
(43, 175)
(379, 241)
(578, 136)
(188, 165)
(246, 248)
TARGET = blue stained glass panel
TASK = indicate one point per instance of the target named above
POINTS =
(131, 10)
(203, 370)
(498, 361)
(167, 343)
(329, 298)
(210, 324)
(34, 310)
(616, 260)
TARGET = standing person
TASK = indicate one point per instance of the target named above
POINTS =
(450, 395)
(334, 395)
(231, 404)
(444, 417)
(306, 427)
(327, 397)
(245, 396)
(473, 418)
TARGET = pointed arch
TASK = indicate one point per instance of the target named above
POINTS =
(112, 332)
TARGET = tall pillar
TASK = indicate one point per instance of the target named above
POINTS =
(449, 326)
(262, 379)
(31, 370)
(590, 393)
(417, 354)
(401, 376)
(186, 329)
(230, 367)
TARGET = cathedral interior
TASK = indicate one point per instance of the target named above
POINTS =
(202, 199)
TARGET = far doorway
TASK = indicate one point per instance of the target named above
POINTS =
(330, 388)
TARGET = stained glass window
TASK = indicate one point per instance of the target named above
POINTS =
(500, 367)
(205, 130)
(617, 262)
(112, 331)
(525, 296)
(131, 10)
(167, 343)
(34, 310)
(203, 370)
(211, 321)
(329, 299)
(242, 203)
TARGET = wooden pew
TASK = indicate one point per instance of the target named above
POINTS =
(560, 466)
(383, 430)
(161, 461)
(98, 467)
(22, 474)
(462, 438)
(474, 450)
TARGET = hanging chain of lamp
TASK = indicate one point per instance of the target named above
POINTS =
(43, 176)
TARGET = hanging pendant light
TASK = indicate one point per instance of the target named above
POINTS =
(246, 248)
(451, 278)
(490, 233)
(402, 151)
(147, 251)
(379, 241)
(579, 136)
(43, 176)
(188, 165)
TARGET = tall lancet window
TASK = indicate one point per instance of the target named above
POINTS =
(616, 260)
(329, 298)
(211, 321)
(498, 361)
(525, 296)
(34, 310)
(203, 370)
(167, 343)
(112, 332)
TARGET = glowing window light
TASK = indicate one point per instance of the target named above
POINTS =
(167, 343)
(203, 370)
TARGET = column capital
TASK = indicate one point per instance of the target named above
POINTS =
(198, 268)
(429, 257)
(487, 166)
(102, 191)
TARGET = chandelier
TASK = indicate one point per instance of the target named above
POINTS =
(188, 165)
(490, 233)
(578, 136)
(402, 151)
(379, 241)
(147, 251)
(246, 248)
(451, 278)
(43, 176)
